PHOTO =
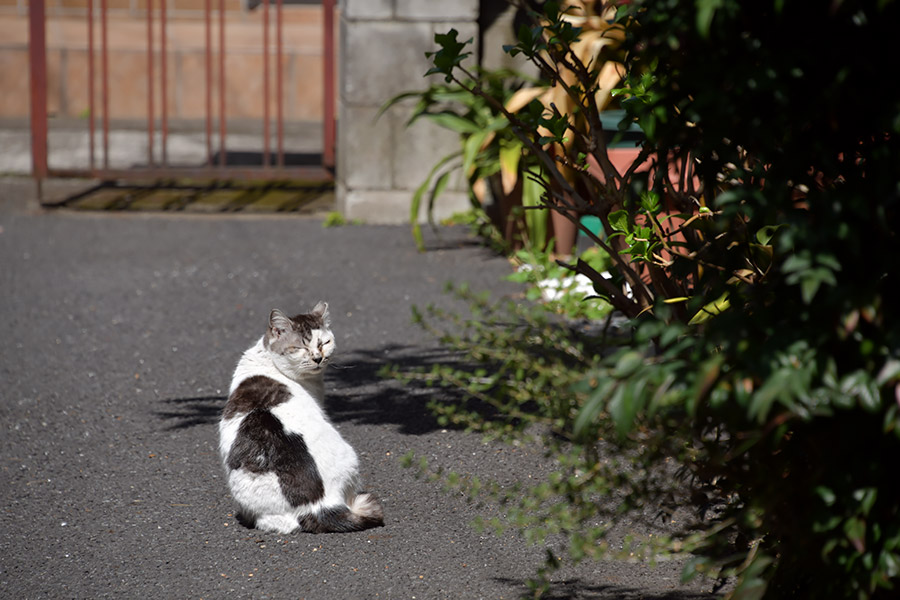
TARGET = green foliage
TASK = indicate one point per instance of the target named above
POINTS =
(450, 56)
(522, 369)
(554, 285)
(487, 145)
(512, 367)
(757, 230)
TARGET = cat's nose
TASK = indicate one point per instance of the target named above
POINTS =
(318, 359)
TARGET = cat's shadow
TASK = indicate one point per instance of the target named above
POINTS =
(184, 413)
(357, 392)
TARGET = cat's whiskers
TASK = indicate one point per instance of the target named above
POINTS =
(336, 366)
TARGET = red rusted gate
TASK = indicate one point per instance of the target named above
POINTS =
(272, 164)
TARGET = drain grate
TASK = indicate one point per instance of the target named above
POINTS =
(205, 197)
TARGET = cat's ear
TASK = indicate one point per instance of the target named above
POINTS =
(279, 323)
(320, 311)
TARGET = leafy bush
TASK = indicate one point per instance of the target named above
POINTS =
(756, 230)
(490, 156)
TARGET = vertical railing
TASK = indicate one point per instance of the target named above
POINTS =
(279, 82)
(163, 63)
(207, 31)
(273, 164)
(37, 50)
(104, 76)
(91, 89)
(150, 111)
(328, 119)
(222, 86)
(265, 57)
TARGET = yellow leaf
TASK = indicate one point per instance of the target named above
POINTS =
(710, 310)
(523, 98)
(509, 166)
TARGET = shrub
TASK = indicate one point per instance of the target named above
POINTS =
(765, 349)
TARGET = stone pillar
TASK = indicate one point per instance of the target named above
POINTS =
(380, 162)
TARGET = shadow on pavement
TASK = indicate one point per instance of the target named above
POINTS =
(576, 589)
(357, 392)
(183, 413)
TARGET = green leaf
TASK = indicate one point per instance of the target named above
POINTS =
(706, 10)
(618, 220)
(439, 187)
(866, 498)
(752, 582)
(695, 566)
(449, 56)
(593, 407)
(810, 283)
(889, 371)
(416, 203)
(650, 202)
(627, 364)
(796, 262)
(776, 387)
(765, 234)
(454, 122)
(859, 385)
(471, 149)
(535, 220)
(827, 496)
(626, 403)
(711, 310)
(855, 530)
(510, 154)
(808, 288)
(753, 588)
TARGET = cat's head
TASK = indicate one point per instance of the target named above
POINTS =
(300, 346)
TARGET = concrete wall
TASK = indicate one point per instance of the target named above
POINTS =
(382, 51)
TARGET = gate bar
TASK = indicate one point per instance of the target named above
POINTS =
(265, 59)
(328, 120)
(38, 51)
(163, 67)
(104, 65)
(222, 83)
(92, 110)
(279, 84)
(150, 119)
(207, 18)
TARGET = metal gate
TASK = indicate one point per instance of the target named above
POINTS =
(270, 163)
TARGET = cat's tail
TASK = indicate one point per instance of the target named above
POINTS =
(364, 512)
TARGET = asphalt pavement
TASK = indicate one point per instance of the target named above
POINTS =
(118, 336)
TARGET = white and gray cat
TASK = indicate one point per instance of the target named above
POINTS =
(288, 468)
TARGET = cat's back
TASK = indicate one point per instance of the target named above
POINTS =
(256, 395)
(281, 403)
(256, 392)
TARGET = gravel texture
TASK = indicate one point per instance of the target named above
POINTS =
(118, 335)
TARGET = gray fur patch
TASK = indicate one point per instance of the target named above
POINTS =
(286, 332)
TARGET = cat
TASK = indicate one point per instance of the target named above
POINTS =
(287, 467)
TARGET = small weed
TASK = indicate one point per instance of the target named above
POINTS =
(336, 219)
